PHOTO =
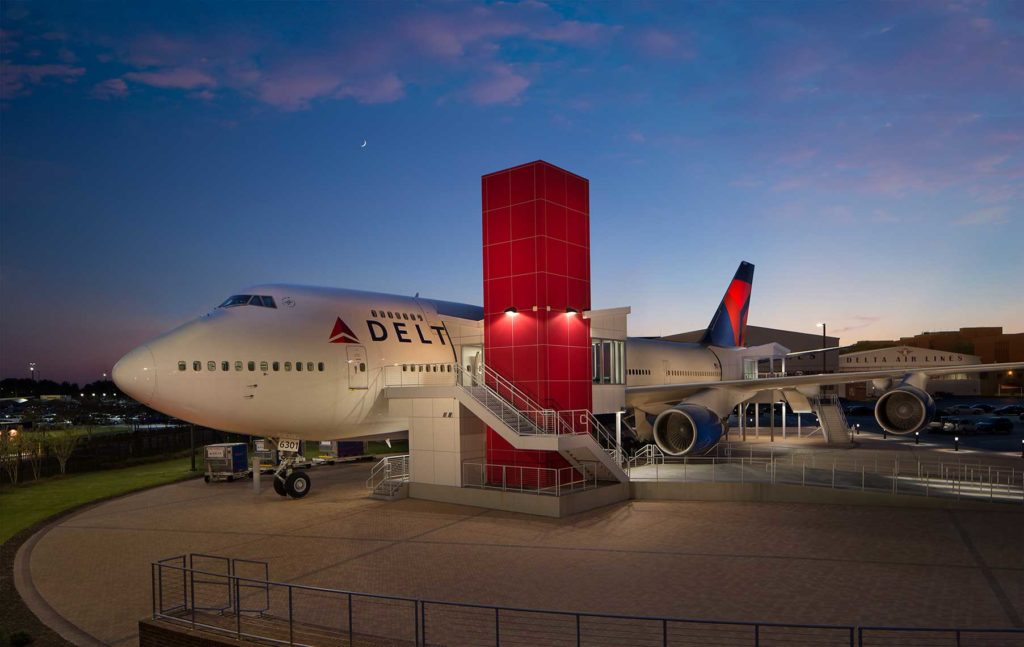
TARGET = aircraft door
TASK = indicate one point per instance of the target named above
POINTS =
(357, 369)
(472, 361)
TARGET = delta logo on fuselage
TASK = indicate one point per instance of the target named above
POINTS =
(342, 334)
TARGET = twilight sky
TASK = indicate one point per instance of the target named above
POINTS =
(157, 157)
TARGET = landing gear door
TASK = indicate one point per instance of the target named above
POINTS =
(357, 369)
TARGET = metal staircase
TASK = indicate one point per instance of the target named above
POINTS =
(832, 419)
(521, 421)
(388, 478)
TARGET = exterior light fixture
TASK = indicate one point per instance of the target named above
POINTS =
(956, 443)
(511, 311)
(917, 437)
(571, 311)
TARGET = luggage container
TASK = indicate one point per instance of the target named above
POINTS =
(266, 455)
(340, 450)
(226, 462)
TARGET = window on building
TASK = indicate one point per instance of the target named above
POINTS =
(608, 361)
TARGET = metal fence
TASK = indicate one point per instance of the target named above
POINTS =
(554, 481)
(944, 479)
(235, 597)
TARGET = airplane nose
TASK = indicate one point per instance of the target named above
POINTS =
(135, 374)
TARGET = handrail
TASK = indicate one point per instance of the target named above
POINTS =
(543, 421)
(389, 468)
(418, 619)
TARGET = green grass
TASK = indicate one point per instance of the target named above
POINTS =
(25, 505)
(82, 430)
(380, 447)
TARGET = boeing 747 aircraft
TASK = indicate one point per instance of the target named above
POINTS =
(299, 363)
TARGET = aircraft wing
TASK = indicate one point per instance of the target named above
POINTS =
(670, 392)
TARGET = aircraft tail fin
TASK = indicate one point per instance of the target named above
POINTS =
(728, 328)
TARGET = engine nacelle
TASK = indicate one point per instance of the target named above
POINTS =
(904, 409)
(687, 429)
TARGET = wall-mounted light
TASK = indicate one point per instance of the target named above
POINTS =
(571, 311)
(511, 311)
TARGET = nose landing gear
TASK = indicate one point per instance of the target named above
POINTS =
(289, 481)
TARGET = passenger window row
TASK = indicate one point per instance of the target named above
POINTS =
(639, 371)
(262, 301)
(677, 373)
(391, 314)
(426, 368)
(264, 366)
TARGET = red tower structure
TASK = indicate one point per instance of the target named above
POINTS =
(536, 235)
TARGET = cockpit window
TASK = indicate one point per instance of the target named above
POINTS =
(237, 300)
(260, 300)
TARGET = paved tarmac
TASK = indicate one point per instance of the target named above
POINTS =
(805, 563)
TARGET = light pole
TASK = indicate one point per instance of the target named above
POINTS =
(32, 370)
(824, 343)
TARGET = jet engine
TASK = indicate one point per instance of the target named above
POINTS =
(904, 409)
(687, 429)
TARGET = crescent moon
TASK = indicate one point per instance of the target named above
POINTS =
(364, 144)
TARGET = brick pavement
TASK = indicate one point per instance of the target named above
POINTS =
(737, 561)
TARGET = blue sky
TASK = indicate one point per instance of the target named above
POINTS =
(156, 157)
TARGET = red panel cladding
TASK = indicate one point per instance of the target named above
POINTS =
(499, 260)
(523, 220)
(524, 260)
(496, 189)
(536, 259)
(522, 184)
(524, 291)
(577, 193)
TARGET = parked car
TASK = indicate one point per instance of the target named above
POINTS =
(955, 409)
(982, 408)
(957, 426)
(993, 425)
(1009, 410)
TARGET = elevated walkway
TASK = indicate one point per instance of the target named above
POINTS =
(576, 435)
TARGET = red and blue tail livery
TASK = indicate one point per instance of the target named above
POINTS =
(728, 327)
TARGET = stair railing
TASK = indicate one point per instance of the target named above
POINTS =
(528, 418)
(389, 468)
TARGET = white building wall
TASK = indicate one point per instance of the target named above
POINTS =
(610, 323)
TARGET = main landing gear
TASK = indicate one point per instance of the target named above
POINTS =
(289, 481)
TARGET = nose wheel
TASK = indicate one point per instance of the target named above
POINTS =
(289, 481)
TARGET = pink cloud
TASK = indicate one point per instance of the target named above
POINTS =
(504, 86)
(180, 78)
(386, 89)
(16, 80)
(578, 33)
(293, 89)
(661, 43)
(110, 89)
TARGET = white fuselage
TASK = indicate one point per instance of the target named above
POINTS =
(236, 368)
